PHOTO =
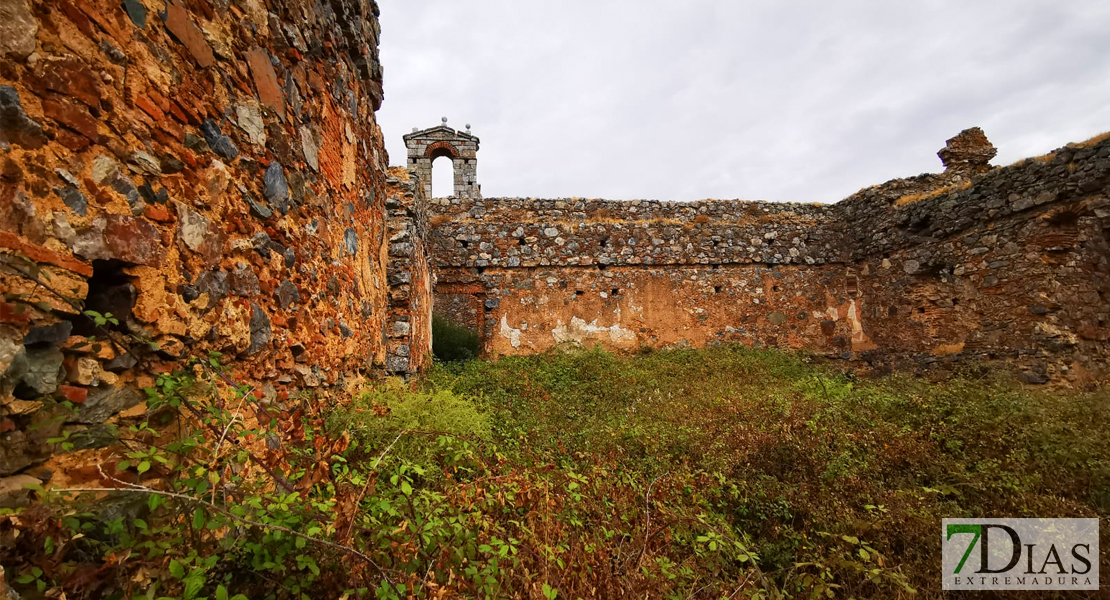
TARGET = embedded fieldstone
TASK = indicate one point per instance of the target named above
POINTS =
(44, 372)
(397, 364)
(148, 194)
(215, 284)
(290, 256)
(121, 237)
(83, 371)
(243, 281)
(310, 145)
(73, 117)
(73, 199)
(147, 163)
(287, 294)
(136, 12)
(11, 345)
(121, 363)
(250, 121)
(49, 334)
(72, 78)
(265, 80)
(171, 164)
(170, 347)
(182, 28)
(296, 187)
(276, 188)
(107, 172)
(104, 402)
(777, 318)
(309, 376)
(260, 330)
(350, 239)
(217, 141)
(189, 292)
(261, 243)
(258, 210)
(17, 29)
(15, 126)
(198, 235)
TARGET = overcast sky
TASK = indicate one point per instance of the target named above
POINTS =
(784, 100)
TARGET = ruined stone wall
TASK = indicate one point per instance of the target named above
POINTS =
(208, 171)
(974, 263)
(409, 274)
(525, 310)
(526, 232)
(531, 274)
(1012, 264)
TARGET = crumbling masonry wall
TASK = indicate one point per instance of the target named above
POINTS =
(409, 272)
(208, 171)
(974, 263)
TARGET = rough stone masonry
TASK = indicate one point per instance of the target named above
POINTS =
(976, 263)
(209, 172)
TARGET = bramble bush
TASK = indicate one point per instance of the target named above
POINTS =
(717, 473)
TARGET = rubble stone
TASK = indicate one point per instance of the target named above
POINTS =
(17, 29)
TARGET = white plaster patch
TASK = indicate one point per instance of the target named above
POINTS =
(579, 331)
(513, 335)
(853, 318)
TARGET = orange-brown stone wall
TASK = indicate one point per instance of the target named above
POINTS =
(979, 263)
(208, 171)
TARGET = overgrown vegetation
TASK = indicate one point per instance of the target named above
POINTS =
(451, 342)
(720, 473)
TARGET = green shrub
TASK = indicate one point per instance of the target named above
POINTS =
(378, 415)
(723, 472)
(451, 342)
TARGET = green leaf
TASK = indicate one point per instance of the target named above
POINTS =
(851, 539)
(144, 466)
(406, 489)
(176, 570)
(221, 592)
(193, 585)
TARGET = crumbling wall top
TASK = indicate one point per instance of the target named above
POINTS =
(968, 153)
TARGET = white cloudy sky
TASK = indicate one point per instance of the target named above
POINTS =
(792, 100)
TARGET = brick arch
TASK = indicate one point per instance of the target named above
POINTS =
(441, 148)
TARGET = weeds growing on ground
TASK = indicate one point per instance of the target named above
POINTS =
(718, 473)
